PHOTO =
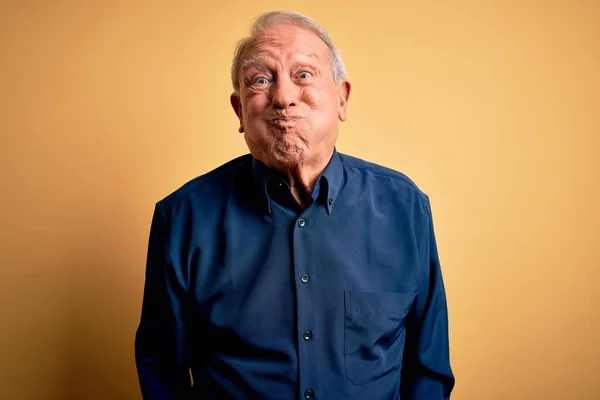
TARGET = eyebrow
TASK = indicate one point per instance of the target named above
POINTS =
(310, 55)
(251, 62)
(254, 61)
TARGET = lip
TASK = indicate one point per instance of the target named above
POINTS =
(284, 120)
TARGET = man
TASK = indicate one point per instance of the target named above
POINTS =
(295, 272)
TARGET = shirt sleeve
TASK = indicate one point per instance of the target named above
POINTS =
(161, 335)
(426, 371)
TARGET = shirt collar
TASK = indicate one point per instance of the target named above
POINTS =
(327, 186)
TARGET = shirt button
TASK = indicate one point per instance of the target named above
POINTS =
(304, 278)
(301, 222)
(307, 335)
(330, 201)
(309, 394)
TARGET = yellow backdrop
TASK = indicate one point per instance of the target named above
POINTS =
(493, 108)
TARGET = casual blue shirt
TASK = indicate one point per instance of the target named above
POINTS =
(258, 298)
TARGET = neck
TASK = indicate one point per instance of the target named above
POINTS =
(303, 176)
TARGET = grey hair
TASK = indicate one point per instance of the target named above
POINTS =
(271, 18)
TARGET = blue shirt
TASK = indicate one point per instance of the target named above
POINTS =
(261, 299)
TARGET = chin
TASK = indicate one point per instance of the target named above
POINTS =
(289, 154)
(279, 150)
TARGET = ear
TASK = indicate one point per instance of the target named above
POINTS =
(344, 89)
(236, 103)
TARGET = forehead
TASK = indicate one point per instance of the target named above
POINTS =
(283, 41)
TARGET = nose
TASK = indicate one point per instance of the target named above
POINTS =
(284, 93)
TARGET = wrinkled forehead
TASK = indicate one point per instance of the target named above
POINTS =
(287, 42)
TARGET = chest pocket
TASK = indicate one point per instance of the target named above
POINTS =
(374, 334)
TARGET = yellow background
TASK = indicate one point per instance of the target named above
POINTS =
(493, 108)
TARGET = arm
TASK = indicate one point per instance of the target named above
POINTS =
(426, 372)
(160, 338)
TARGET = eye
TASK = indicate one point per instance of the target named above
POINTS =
(261, 80)
(304, 75)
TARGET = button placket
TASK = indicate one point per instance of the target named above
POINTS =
(302, 237)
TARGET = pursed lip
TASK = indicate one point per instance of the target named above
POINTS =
(282, 119)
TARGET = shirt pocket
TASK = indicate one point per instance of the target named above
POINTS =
(374, 334)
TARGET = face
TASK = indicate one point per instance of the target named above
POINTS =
(289, 106)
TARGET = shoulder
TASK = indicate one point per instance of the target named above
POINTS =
(211, 184)
(384, 176)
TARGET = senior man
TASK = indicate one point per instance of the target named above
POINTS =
(293, 272)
